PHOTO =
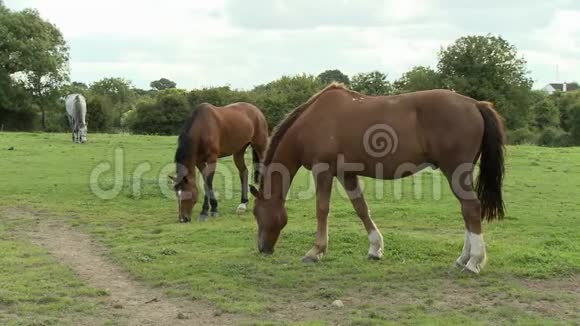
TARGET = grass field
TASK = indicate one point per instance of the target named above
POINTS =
(531, 276)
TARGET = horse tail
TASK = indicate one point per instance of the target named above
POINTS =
(256, 164)
(491, 171)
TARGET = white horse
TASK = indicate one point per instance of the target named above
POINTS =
(76, 109)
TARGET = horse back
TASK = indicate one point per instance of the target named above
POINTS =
(229, 129)
(414, 129)
(76, 107)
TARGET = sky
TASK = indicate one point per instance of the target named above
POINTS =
(244, 43)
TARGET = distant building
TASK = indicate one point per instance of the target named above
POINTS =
(564, 87)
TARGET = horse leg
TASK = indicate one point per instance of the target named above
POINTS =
(323, 191)
(473, 256)
(241, 165)
(208, 174)
(204, 209)
(71, 126)
(75, 131)
(352, 187)
(205, 206)
(257, 158)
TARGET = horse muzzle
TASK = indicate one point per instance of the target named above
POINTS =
(265, 249)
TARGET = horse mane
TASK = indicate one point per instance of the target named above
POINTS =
(184, 140)
(282, 128)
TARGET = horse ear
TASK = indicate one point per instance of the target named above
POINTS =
(255, 192)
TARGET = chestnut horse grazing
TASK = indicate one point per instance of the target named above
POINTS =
(344, 134)
(214, 132)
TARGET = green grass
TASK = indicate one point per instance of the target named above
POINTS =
(532, 254)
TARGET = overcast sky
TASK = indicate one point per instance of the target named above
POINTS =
(244, 43)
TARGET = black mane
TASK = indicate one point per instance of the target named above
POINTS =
(184, 139)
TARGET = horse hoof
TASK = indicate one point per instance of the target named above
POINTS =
(471, 269)
(241, 209)
(373, 257)
(214, 214)
(459, 264)
(310, 260)
(202, 218)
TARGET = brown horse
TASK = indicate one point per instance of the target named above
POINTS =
(214, 132)
(341, 133)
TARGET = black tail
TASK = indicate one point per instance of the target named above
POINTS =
(491, 170)
(256, 160)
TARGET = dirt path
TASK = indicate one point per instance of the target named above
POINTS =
(137, 304)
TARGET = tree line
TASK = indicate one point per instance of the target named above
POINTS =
(34, 78)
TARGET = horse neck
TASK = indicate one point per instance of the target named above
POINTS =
(278, 175)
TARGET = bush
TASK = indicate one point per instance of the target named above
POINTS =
(554, 137)
(18, 120)
(57, 121)
(522, 136)
(99, 114)
(546, 114)
(163, 116)
(218, 96)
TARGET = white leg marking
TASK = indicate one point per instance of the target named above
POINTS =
(179, 194)
(376, 244)
(319, 248)
(465, 254)
(241, 208)
(477, 253)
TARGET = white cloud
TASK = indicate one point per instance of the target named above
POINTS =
(562, 34)
(557, 54)
(131, 18)
(244, 43)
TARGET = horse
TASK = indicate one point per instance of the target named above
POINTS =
(76, 109)
(211, 133)
(339, 133)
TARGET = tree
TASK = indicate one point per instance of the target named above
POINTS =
(546, 114)
(162, 84)
(145, 93)
(565, 103)
(99, 113)
(74, 88)
(163, 116)
(219, 96)
(575, 124)
(34, 54)
(419, 78)
(119, 93)
(329, 76)
(283, 95)
(371, 83)
(488, 68)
